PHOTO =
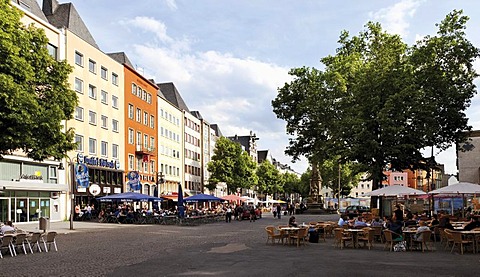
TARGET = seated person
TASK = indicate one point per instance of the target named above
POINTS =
(474, 223)
(423, 227)
(7, 227)
(292, 222)
(359, 223)
(445, 223)
(377, 222)
(410, 221)
(434, 221)
(395, 227)
(342, 221)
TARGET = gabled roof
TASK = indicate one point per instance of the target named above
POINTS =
(197, 114)
(33, 7)
(217, 130)
(173, 96)
(66, 16)
(121, 58)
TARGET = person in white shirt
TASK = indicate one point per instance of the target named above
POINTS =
(7, 227)
(423, 227)
(342, 221)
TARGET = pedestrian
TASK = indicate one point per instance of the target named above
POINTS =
(279, 211)
(228, 214)
(274, 211)
(253, 216)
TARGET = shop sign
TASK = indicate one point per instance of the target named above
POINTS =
(94, 189)
(94, 161)
(37, 177)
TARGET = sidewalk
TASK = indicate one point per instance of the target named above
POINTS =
(63, 227)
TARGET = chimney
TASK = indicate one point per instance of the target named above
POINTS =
(49, 6)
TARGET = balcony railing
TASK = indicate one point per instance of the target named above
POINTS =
(140, 149)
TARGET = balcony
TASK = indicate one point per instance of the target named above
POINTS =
(144, 150)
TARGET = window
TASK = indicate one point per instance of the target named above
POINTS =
(92, 146)
(115, 125)
(139, 115)
(79, 113)
(79, 142)
(114, 102)
(104, 122)
(139, 138)
(139, 92)
(130, 111)
(149, 98)
(114, 79)
(92, 66)
(145, 140)
(78, 58)
(130, 136)
(115, 151)
(92, 92)
(152, 142)
(78, 85)
(104, 97)
(92, 117)
(104, 149)
(152, 122)
(144, 96)
(134, 89)
(52, 51)
(145, 118)
(131, 161)
(104, 73)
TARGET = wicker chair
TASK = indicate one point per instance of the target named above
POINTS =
(272, 236)
(341, 238)
(368, 237)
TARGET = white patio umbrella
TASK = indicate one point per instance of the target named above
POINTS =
(394, 190)
(458, 188)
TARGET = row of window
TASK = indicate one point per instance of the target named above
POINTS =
(170, 117)
(148, 120)
(192, 155)
(191, 185)
(92, 147)
(193, 170)
(170, 170)
(92, 119)
(169, 134)
(92, 67)
(142, 139)
(167, 151)
(141, 93)
(192, 140)
(192, 125)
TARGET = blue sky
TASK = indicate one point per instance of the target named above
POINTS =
(227, 58)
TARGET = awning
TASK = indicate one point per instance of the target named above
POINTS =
(174, 198)
(40, 186)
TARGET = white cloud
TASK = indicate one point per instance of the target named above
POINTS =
(394, 18)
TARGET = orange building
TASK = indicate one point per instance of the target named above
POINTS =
(140, 128)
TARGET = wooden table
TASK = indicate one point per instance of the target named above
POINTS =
(354, 233)
(475, 235)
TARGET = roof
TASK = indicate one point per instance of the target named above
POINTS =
(31, 6)
(171, 93)
(262, 155)
(121, 57)
(66, 16)
(216, 129)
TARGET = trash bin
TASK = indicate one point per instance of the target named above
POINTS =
(313, 235)
(44, 223)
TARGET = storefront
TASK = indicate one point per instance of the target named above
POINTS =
(105, 177)
(30, 190)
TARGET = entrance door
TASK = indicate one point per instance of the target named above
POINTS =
(4, 209)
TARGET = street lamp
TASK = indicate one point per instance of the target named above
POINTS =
(71, 186)
(159, 180)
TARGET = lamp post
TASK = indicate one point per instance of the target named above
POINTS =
(159, 180)
(71, 187)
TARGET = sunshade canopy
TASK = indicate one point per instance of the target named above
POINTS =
(395, 190)
(202, 198)
(458, 188)
(130, 197)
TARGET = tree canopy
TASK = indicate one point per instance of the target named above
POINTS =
(270, 180)
(380, 101)
(231, 165)
(34, 92)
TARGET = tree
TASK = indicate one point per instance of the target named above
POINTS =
(270, 180)
(291, 183)
(380, 102)
(232, 165)
(332, 170)
(34, 92)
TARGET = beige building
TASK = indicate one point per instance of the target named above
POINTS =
(99, 118)
(170, 143)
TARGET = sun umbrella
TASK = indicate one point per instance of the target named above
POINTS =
(233, 198)
(130, 197)
(395, 190)
(203, 198)
(180, 207)
(460, 188)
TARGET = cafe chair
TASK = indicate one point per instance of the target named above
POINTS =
(448, 237)
(7, 243)
(426, 239)
(459, 241)
(378, 233)
(390, 241)
(19, 242)
(34, 242)
(272, 236)
(300, 236)
(367, 238)
(341, 238)
(49, 240)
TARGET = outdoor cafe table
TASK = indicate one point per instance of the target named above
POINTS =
(290, 230)
(409, 233)
(354, 233)
(474, 235)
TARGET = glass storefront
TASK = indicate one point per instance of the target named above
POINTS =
(23, 206)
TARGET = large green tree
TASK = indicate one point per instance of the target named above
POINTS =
(232, 165)
(381, 102)
(270, 180)
(34, 93)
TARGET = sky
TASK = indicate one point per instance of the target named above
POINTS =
(228, 58)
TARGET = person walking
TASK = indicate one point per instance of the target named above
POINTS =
(228, 214)
(279, 211)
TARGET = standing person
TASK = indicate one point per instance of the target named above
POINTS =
(279, 211)
(398, 214)
(274, 211)
(253, 216)
(228, 214)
